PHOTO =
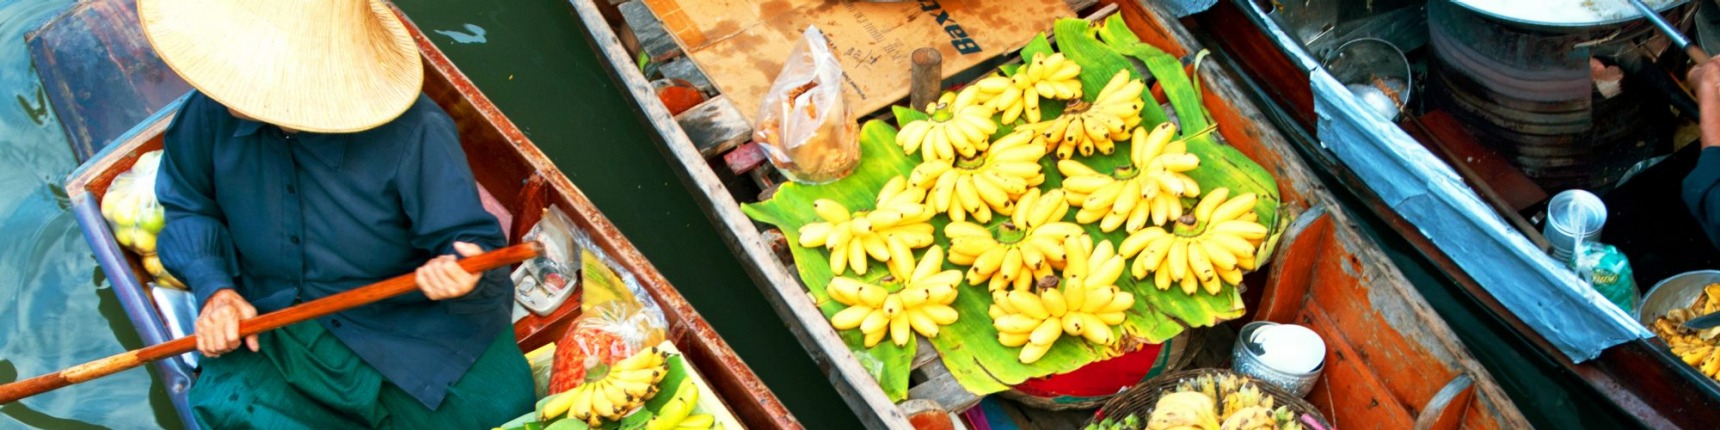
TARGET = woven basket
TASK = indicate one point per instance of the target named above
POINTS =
(1141, 398)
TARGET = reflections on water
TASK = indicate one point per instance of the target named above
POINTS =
(57, 310)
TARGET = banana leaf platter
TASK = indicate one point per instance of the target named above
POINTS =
(1390, 358)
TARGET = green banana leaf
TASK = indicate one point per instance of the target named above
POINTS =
(791, 207)
(968, 347)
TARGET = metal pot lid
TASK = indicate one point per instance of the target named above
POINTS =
(1563, 13)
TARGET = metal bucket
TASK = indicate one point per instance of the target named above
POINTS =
(1525, 89)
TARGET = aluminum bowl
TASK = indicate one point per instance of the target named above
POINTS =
(1676, 292)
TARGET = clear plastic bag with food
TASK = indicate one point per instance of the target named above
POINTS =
(607, 333)
(135, 215)
(804, 124)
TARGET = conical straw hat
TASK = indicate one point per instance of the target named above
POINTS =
(327, 66)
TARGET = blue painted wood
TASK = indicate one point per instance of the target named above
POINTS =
(99, 72)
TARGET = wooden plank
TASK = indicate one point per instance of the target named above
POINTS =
(940, 386)
(685, 69)
(1350, 395)
(715, 126)
(779, 285)
(649, 31)
(94, 64)
(1498, 183)
(742, 44)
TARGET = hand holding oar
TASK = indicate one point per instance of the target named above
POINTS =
(299, 313)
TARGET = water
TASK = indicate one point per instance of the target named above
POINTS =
(59, 310)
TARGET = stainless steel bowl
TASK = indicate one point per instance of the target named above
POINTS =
(1676, 292)
(1245, 359)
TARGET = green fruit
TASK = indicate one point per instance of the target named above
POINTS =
(153, 220)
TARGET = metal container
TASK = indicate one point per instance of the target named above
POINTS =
(1245, 359)
(1375, 71)
(1573, 216)
(1525, 88)
(1676, 292)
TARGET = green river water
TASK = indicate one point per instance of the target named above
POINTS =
(532, 59)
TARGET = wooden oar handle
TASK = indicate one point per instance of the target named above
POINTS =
(1697, 55)
(303, 312)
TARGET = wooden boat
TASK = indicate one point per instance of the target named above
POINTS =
(1465, 209)
(1392, 362)
(517, 182)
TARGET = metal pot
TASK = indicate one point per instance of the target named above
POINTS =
(1525, 88)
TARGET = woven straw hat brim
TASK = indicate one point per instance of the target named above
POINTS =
(326, 66)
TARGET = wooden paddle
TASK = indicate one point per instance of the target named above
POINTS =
(302, 312)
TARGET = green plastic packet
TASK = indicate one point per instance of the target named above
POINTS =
(1606, 269)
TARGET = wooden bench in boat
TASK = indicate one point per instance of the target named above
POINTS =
(1391, 363)
(517, 182)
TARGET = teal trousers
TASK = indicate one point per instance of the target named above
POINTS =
(303, 377)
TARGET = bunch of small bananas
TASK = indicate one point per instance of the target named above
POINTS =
(959, 126)
(923, 304)
(1698, 348)
(1206, 249)
(1046, 77)
(1150, 189)
(1193, 404)
(1027, 247)
(678, 413)
(613, 394)
(1085, 303)
(983, 185)
(1095, 126)
(888, 234)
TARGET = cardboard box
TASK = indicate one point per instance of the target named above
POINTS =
(741, 44)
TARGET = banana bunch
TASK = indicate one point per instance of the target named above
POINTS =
(1194, 404)
(678, 413)
(613, 394)
(955, 128)
(1086, 303)
(888, 234)
(1206, 249)
(1046, 77)
(1024, 249)
(1150, 189)
(923, 304)
(1096, 126)
(982, 185)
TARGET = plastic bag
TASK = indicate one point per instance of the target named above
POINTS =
(804, 123)
(610, 332)
(135, 215)
(544, 283)
(1608, 271)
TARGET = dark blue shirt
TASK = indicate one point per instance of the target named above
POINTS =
(1702, 193)
(283, 218)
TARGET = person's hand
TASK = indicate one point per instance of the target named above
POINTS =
(442, 278)
(1704, 80)
(218, 324)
